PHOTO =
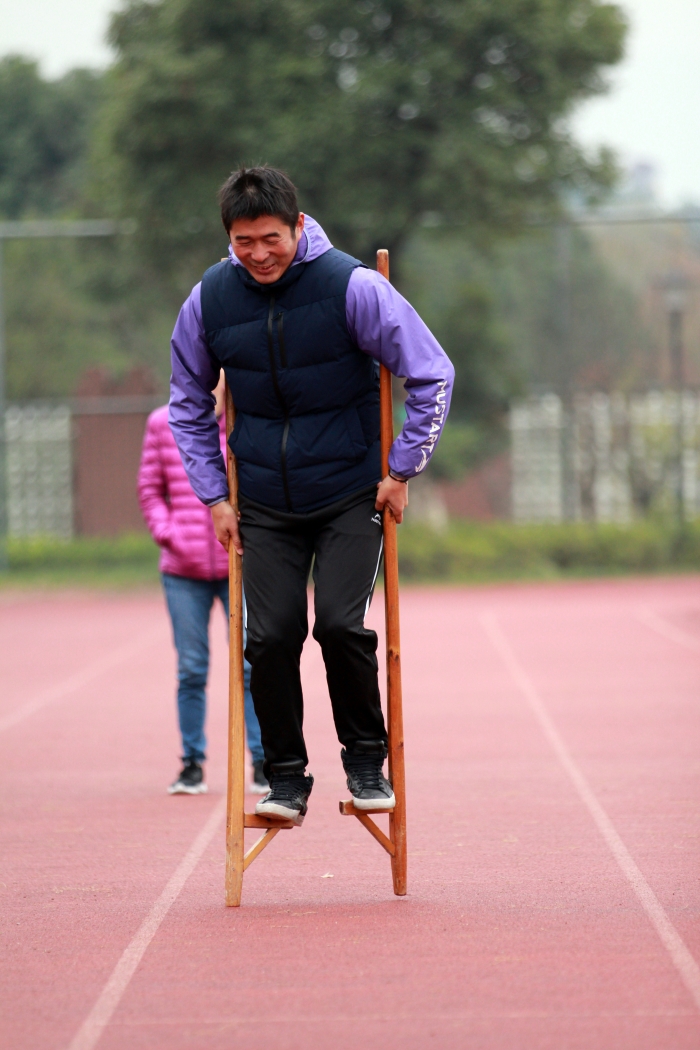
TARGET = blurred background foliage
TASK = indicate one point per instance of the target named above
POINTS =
(465, 552)
(382, 112)
(472, 552)
(437, 129)
(45, 134)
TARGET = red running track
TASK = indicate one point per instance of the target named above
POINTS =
(553, 785)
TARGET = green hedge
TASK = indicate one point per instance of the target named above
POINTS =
(124, 562)
(465, 551)
(45, 552)
(500, 550)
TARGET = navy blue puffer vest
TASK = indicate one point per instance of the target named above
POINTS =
(307, 399)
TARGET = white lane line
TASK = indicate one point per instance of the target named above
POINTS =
(684, 962)
(674, 634)
(101, 1014)
(80, 678)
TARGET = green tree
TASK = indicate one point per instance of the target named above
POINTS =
(390, 115)
(383, 112)
(452, 286)
(69, 305)
(571, 323)
(44, 128)
(75, 306)
(542, 311)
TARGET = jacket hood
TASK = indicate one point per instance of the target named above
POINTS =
(314, 242)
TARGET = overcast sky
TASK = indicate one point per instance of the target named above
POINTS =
(651, 114)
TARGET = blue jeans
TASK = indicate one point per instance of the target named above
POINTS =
(189, 604)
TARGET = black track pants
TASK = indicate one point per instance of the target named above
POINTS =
(344, 543)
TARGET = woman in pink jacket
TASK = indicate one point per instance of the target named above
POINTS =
(194, 570)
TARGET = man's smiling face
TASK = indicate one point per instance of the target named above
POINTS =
(266, 246)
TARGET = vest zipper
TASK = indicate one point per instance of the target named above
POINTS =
(278, 393)
(280, 338)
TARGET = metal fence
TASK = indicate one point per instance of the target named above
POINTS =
(603, 458)
(39, 470)
(606, 457)
(71, 466)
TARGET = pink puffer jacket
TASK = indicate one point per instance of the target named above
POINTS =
(178, 522)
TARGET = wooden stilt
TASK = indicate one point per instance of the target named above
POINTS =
(397, 817)
(237, 820)
(235, 796)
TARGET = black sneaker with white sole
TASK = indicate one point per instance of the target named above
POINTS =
(287, 798)
(259, 784)
(368, 786)
(190, 781)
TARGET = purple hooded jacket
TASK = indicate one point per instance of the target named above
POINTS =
(381, 322)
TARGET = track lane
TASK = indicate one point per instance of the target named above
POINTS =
(519, 929)
(49, 645)
(685, 964)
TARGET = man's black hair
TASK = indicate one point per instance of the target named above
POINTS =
(252, 192)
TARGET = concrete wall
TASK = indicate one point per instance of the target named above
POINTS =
(107, 439)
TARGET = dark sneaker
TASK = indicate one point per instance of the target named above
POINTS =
(368, 786)
(190, 781)
(287, 797)
(259, 784)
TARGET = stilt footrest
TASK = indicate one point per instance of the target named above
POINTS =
(271, 827)
(253, 820)
(259, 846)
(348, 810)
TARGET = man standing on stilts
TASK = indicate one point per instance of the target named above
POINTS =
(299, 328)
